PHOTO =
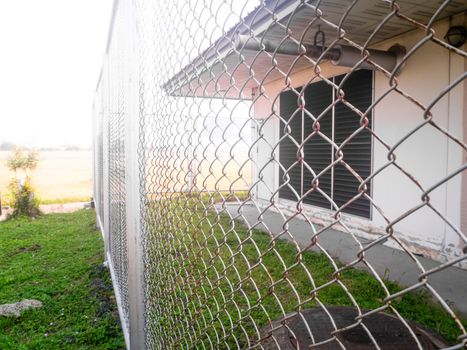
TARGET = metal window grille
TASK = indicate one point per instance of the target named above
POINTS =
(251, 196)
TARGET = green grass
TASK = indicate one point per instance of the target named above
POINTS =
(64, 200)
(57, 259)
(237, 276)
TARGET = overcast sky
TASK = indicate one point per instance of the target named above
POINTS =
(50, 57)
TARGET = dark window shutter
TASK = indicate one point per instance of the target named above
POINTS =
(357, 153)
(318, 152)
(287, 148)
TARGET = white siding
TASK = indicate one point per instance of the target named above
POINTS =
(428, 155)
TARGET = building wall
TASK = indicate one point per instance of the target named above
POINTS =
(428, 155)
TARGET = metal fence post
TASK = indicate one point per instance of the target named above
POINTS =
(136, 308)
(105, 170)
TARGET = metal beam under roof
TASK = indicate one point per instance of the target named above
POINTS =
(222, 71)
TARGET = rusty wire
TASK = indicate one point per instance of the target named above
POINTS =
(226, 264)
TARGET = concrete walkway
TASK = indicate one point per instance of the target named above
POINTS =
(63, 208)
(5, 213)
(393, 264)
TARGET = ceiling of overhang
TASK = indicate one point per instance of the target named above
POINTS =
(232, 75)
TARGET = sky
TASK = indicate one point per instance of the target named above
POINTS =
(51, 53)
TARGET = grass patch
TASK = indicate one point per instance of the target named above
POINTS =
(227, 282)
(64, 200)
(57, 259)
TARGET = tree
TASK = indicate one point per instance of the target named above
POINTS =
(23, 164)
(20, 161)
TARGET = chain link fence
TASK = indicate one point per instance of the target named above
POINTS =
(285, 174)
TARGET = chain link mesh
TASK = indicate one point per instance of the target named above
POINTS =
(302, 173)
(98, 174)
(116, 104)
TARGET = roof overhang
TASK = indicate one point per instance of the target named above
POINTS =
(224, 71)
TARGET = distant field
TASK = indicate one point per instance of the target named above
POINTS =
(60, 176)
(67, 176)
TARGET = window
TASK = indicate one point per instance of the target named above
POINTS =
(338, 123)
